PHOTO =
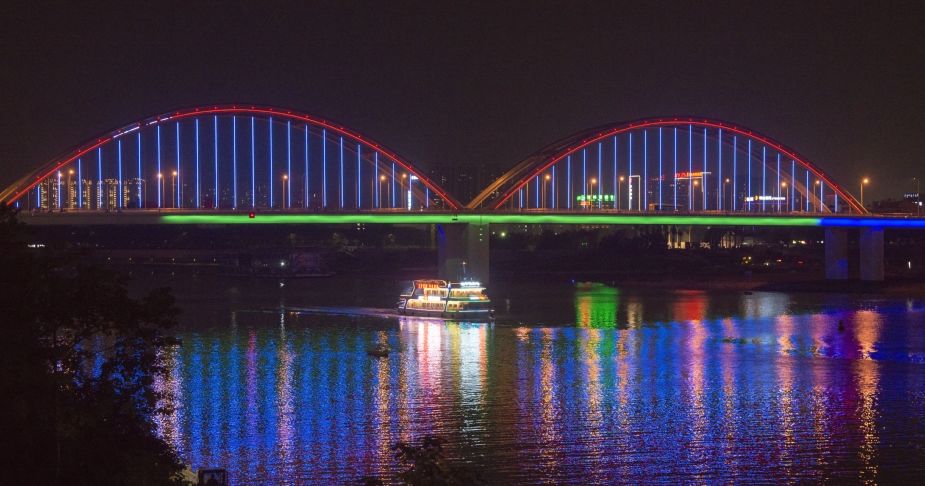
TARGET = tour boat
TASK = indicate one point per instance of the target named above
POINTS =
(440, 298)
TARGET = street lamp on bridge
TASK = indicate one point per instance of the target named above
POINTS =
(381, 183)
(786, 189)
(173, 189)
(285, 179)
(160, 181)
(864, 182)
(617, 202)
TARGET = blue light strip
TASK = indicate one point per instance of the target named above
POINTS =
(80, 185)
(253, 168)
(234, 162)
(703, 176)
(749, 170)
(216, 197)
(807, 190)
(645, 170)
(393, 185)
(779, 206)
(629, 176)
(58, 195)
(536, 192)
(568, 187)
(821, 196)
(341, 182)
(270, 142)
(584, 174)
(288, 201)
(140, 173)
(324, 168)
(600, 176)
(552, 188)
(793, 185)
(690, 167)
(735, 169)
(616, 200)
(307, 186)
(674, 189)
(377, 181)
(198, 199)
(99, 181)
(359, 178)
(160, 174)
(719, 176)
(119, 186)
(179, 172)
(661, 173)
(844, 222)
(764, 176)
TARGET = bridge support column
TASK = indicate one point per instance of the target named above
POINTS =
(871, 246)
(836, 254)
(462, 251)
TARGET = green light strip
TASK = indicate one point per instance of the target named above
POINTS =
(520, 218)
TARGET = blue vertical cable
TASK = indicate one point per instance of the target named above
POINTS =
(552, 188)
(140, 174)
(750, 171)
(600, 175)
(198, 200)
(376, 180)
(536, 193)
(821, 196)
(270, 131)
(59, 189)
(324, 168)
(735, 169)
(629, 177)
(99, 180)
(306, 187)
(119, 186)
(234, 162)
(660, 171)
(179, 171)
(779, 205)
(426, 196)
(393, 185)
(359, 178)
(584, 174)
(616, 202)
(793, 185)
(253, 168)
(719, 169)
(160, 174)
(80, 185)
(568, 187)
(341, 181)
(764, 175)
(690, 167)
(288, 163)
(674, 195)
(806, 191)
(216, 198)
(703, 175)
(645, 170)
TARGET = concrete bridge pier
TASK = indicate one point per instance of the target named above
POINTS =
(870, 246)
(871, 249)
(463, 251)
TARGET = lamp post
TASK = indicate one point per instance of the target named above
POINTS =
(725, 182)
(285, 178)
(381, 182)
(864, 182)
(819, 184)
(783, 185)
(617, 202)
(70, 192)
(589, 197)
(173, 189)
(694, 201)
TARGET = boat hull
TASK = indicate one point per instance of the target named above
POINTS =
(479, 314)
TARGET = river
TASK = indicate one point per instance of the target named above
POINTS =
(582, 387)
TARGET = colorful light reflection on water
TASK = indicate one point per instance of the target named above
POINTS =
(640, 388)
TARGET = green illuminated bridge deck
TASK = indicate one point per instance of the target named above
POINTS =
(524, 217)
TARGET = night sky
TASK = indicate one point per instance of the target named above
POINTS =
(453, 83)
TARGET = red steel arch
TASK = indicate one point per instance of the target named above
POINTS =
(30, 180)
(511, 182)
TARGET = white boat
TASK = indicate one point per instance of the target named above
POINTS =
(452, 300)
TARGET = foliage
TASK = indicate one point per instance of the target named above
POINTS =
(78, 363)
